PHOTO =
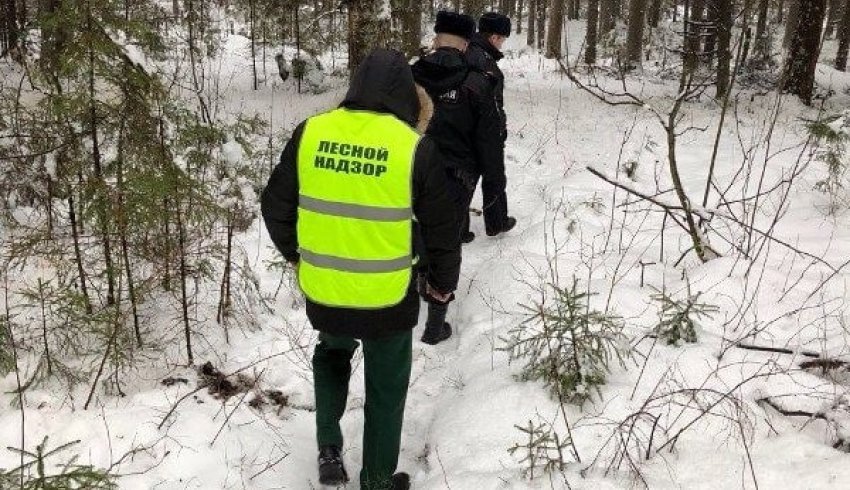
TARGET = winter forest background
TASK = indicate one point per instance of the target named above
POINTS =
(670, 311)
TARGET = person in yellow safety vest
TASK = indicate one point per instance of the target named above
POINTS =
(355, 190)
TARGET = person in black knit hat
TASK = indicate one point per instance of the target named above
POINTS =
(466, 127)
(483, 54)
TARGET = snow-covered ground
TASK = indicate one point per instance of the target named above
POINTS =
(464, 400)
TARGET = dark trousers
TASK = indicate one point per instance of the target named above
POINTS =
(387, 374)
(461, 194)
(495, 207)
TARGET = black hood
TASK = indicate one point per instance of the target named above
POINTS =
(483, 43)
(440, 71)
(383, 83)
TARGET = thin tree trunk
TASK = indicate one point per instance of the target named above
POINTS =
(110, 346)
(724, 45)
(532, 16)
(125, 249)
(11, 31)
(556, 22)
(42, 299)
(712, 21)
(634, 41)
(843, 39)
(800, 65)
(184, 294)
(253, 42)
(22, 12)
(541, 24)
(78, 255)
(224, 290)
(190, 17)
(592, 24)
(519, 10)
(103, 216)
(299, 76)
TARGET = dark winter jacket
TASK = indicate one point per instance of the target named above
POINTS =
(484, 57)
(382, 84)
(466, 122)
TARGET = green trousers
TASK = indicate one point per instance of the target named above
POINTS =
(387, 374)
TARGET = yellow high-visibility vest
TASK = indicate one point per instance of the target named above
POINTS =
(355, 208)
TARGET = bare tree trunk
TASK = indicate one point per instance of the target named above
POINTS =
(762, 45)
(573, 7)
(224, 290)
(9, 26)
(693, 34)
(724, 45)
(634, 41)
(23, 16)
(541, 24)
(184, 279)
(654, 14)
(532, 16)
(780, 11)
(175, 8)
(835, 7)
(711, 26)
(253, 13)
(42, 300)
(607, 17)
(125, 248)
(300, 76)
(519, 10)
(556, 22)
(793, 18)
(367, 29)
(843, 39)
(800, 65)
(592, 25)
(196, 81)
(473, 8)
(408, 14)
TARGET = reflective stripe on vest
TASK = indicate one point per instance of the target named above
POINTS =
(355, 209)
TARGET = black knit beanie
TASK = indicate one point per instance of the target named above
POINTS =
(454, 23)
(495, 23)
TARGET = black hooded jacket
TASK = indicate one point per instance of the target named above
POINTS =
(383, 83)
(466, 124)
(484, 57)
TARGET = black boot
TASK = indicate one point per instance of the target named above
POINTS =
(467, 237)
(331, 470)
(435, 335)
(507, 226)
(437, 329)
(401, 481)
